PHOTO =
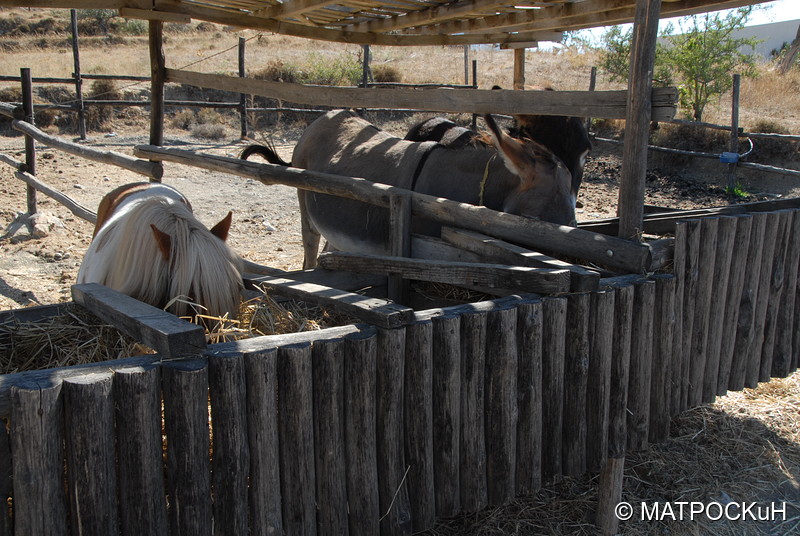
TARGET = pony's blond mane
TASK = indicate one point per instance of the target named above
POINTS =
(125, 256)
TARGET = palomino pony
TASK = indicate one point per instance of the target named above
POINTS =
(505, 174)
(148, 244)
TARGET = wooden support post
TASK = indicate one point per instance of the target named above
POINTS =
(637, 123)
(447, 414)
(519, 68)
(466, 65)
(474, 86)
(400, 225)
(242, 97)
(592, 87)
(734, 145)
(474, 490)
(30, 143)
(76, 60)
(365, 70)
(158, 77)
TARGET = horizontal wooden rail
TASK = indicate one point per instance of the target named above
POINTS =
(73, 206)
(153, 170)
(609, 251)
(602, 104)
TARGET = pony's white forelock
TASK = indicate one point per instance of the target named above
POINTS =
(125, 256)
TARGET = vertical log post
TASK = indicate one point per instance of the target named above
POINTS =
(592, 86)
(419, 424)
(37, 439)
(474, 494)
(529, 398)
(598, 390)
(576, 375)
(474, 86)
(447, 414)
(519, 68)
(782, 355)
(663, 336)
(394, 503)
(501, 405)
(30, 143)
(185, 390)
(137, 401)
(242, 97)
(6, 479)
(466, 65)
(734, 143)
(610, 484)
(231, 459)
(777, 281)
(261, 379)
(553, 351)
(637, 123)
(365, 70)
(641, 362)
(76, 60)
(89, 442)
(157, 81)
(702, 310)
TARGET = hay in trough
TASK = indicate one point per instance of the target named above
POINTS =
(75, 337)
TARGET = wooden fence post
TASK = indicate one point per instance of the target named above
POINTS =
(30, 143)
(157, 80)
(76, 60)
(365, 70)
(400, 217)
(519, 68)
(242, 97)
(734, 144)
(592, 87)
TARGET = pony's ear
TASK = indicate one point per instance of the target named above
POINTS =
(221, 229)
(517, 159)
(163, 240)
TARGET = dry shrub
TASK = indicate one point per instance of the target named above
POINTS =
(183, 119)
(690, 138)
(278, 71)
(386, 73)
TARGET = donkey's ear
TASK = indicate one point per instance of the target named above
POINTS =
(221, 229)
(163, 240)
(516, 158)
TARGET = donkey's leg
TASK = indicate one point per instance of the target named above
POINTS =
(310, 235)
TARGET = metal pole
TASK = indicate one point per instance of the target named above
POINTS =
(242, 97)
(734, 145)
(30, 144)
(76, 59)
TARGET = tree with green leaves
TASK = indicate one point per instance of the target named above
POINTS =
(701, 56)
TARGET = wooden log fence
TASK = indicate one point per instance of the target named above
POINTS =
(369, 430)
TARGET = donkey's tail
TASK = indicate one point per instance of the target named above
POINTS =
(265, 151)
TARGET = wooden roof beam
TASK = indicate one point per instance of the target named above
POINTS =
(292, 8)
(426, 17)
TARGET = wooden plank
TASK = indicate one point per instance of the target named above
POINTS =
(419, 424)
(702, 310)
(140, 451)
(359, 433)
(782, 356)
(598, 386)
(37, 439)
(185, 389)
(576, 375)
(261, 381)
(72, 205)
(753, 370)
(296, 429)
(457, 273)
(164, 332)
(375, 311)
(776, 284)
(663, 337)
(616, 253)
(33, 314)
(328, 377)
(676, 368)
(554, 314)
(428, 247)
(741, 244)
(152, 14)
(581, 279)
(89, 444)
(230, 465)
(400, 238)
(689, 234)
(747, 304)
(474, 491)
(641, 360)
(447, 414)
(347, 281)
(601, 104)
(501, 405)
(394, 502)
(726, 232)
(266, 342)
(529, 397)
